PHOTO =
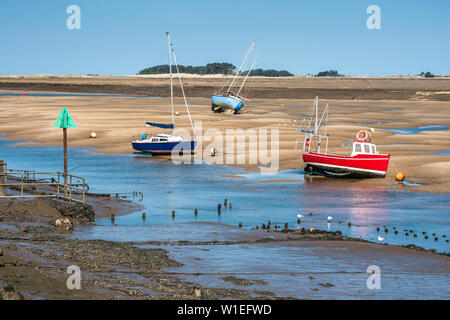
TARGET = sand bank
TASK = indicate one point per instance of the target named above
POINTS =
(117, 119)
(297, 87)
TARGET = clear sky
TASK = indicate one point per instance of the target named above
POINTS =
(301, 36)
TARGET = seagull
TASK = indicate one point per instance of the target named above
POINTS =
(380, 238)
(299, 216)
(330, 218)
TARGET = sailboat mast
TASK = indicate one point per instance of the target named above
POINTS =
(246, 77)
(182, 90)
(317, 114)
(243, 64)
(170, 72)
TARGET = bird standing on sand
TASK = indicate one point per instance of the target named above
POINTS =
(380, 238)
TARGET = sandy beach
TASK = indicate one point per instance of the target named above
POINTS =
(355, 103)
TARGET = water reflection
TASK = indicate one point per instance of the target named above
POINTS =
(255, 199)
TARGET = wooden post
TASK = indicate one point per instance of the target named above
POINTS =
(70, 189)
(84, 185)
(65, 160)
(21, 183)
(2, 177)
(59, 184)
(65, 121)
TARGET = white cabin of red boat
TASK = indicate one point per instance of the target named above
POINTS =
(363, 148)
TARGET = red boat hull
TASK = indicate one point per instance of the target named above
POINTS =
(358, 166)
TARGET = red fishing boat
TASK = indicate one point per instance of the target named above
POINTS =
(362, 160)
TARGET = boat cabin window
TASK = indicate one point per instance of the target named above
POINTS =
(163, 140)
(364, 148)
(155, 139)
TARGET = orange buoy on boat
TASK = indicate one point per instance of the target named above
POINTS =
(400, 176)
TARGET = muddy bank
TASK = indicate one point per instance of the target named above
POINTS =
(313, 234)
(36, 255)
(283, 235)
(339, 88)
(261, 92)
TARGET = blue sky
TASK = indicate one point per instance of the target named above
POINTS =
(123, 37)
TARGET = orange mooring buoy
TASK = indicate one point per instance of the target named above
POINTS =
(400, 176)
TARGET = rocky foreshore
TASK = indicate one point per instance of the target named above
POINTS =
(36, 250)
(36, 253)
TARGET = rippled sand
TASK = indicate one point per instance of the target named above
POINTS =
(117, 119)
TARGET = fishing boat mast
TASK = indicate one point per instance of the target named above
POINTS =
(310, 134)
(316, 129)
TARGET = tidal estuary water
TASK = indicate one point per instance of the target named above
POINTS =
(305, 269)
(255, 199)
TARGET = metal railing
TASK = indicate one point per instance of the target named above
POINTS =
(50, 186)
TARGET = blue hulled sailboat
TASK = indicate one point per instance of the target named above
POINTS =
(164, 143)
(230, 100)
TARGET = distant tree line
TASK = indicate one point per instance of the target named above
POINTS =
(210, 68)
(214, 68)
(269, 73)
(426, 74)
(328, 73)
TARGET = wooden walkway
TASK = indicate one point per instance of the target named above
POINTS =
(32, 184)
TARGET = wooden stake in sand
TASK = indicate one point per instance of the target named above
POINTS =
(65, 121)
(2, 176)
